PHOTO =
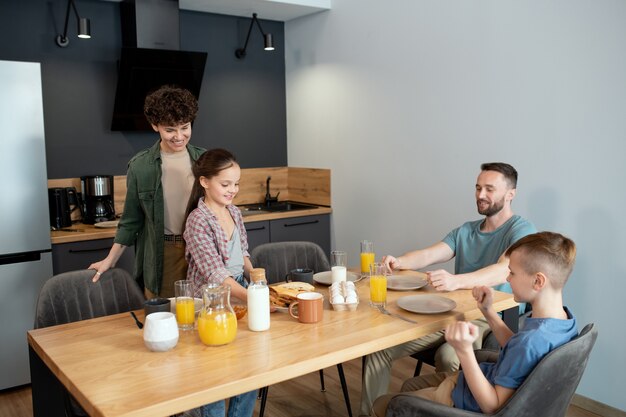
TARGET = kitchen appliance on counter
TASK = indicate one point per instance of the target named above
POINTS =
(25, 257)
(97, 191)
(62, 202)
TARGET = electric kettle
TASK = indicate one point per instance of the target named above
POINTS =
(62, 202)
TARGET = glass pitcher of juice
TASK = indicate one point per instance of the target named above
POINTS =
(217, 323)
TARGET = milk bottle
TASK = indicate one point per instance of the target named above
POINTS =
(258, 301)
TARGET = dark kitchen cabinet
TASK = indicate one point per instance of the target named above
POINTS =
(258, 233)
(79, 255)
(308, 228)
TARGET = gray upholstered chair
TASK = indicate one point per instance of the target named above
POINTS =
(72, 296)
(278, 259)
(547, 391)
(281, 257)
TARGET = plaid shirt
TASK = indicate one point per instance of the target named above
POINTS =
(206, 247)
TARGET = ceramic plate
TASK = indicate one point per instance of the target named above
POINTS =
(197, 302)
(112, 223)
(426, 304)
(325, 278)
(405, 282)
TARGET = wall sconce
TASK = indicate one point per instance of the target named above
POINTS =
(84, 30)
(269, 43)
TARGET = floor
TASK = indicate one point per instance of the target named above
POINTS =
(300, 397)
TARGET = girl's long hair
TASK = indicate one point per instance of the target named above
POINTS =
(208, 165)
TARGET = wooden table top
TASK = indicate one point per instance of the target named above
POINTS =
(103, 362)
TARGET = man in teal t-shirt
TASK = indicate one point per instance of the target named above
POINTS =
(478, 248)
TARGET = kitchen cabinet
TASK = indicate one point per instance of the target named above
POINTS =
(258, 233)
(307, 228)
(79, 255)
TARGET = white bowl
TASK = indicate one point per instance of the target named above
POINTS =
(160, 332)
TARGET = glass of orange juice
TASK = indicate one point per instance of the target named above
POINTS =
(185, 308)
(367, 256)
(378, 284)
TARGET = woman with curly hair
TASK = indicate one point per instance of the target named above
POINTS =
(158, 185)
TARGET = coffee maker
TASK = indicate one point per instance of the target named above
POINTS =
(97, 193)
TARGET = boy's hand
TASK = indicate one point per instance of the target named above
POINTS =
(484, 297)
(461, 335)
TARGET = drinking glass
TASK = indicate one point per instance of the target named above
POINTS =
(185, 308)
(367, 256)
(378, 284)
(338, 261)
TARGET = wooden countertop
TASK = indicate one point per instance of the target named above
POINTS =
(89, 232)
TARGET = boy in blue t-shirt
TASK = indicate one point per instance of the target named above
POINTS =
(539, 266)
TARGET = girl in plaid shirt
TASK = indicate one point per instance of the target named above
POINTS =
(215, 236)
(217, 246)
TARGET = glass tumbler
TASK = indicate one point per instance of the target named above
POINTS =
(338, 261)
(378, 284)
(367, 256)
(185, 308)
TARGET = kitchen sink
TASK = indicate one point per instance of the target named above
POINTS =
(275, 207)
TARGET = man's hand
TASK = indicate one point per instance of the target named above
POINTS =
(391, 262)
(484, 297)
(461, 335)
(442, 280)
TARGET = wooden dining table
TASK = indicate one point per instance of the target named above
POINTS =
(105, 365)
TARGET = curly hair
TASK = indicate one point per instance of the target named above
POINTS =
(170, 105)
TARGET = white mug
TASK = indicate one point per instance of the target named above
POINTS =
(160, 332)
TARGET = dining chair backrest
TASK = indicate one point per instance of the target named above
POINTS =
(279, 258)
(72, 296)
(547, 391)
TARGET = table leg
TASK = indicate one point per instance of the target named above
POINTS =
(511, 318)
(48, 392)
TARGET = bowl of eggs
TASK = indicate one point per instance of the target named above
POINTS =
(343, 296)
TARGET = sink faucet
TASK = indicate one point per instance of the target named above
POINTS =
(268, 197)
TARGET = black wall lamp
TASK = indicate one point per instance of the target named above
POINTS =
(269, 43)
(84, 30)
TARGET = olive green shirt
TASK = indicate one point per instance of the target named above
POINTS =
(142, 222)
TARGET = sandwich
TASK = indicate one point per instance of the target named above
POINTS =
(281, 295)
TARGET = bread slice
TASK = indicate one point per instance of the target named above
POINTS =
(281, 295)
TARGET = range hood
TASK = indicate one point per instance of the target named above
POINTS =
(151, 57)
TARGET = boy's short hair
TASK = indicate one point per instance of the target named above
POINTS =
(547, 252)
(170, 106)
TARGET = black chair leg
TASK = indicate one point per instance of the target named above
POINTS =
(263, 395)
(418, 368)
(344, 388)
(323, 389)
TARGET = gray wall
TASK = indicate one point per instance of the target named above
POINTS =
(242, 102)
(404, 99)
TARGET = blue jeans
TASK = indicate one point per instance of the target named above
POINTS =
(241, 405)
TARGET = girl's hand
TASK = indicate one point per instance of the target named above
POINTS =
(484, 297)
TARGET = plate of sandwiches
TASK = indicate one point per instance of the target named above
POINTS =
(283, 294)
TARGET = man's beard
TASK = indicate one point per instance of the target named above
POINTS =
(492, 209)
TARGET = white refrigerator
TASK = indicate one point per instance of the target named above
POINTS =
(25, 249)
